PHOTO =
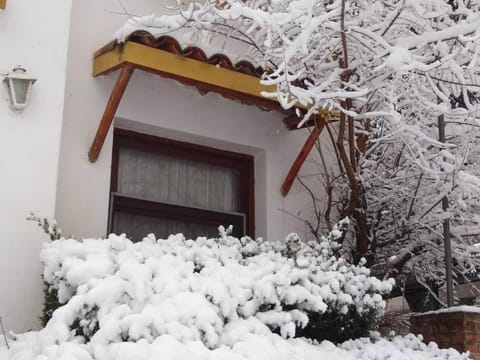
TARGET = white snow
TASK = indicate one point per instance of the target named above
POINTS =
(247, 347)
(452, 309)
(178, 27)
(201, 299)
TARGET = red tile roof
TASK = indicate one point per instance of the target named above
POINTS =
(168, 43)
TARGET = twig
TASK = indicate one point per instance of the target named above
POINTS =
(337, 155)
(447, 81)
(393, 20)
(315, 209)
(3, 333)
(436, 203)
(414, 196)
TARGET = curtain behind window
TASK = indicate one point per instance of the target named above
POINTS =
(178, 181)
(165, 179)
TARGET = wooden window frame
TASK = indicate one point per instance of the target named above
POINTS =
(243, 163)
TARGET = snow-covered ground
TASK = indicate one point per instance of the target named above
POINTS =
(249, 347)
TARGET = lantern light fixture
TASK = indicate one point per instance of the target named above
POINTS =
(19, 84)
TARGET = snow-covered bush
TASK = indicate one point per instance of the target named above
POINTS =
(209, 299)
(208, 289)
(50, 297)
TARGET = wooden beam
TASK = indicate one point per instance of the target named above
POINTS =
(206, 77)
(110, 110)
(3, 3)
(302, 156)
(163, 61)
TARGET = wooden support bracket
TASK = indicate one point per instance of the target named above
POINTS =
(302, 156)
(110, 110)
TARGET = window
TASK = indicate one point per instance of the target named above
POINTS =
(164, 187)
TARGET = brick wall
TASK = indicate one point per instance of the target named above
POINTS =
(459, 330)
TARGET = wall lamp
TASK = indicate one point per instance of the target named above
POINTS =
(19, 84)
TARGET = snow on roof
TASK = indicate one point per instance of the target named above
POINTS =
(177, 26)
(171, 44)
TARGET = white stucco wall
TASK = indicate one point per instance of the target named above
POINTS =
(33, 34)
(162, 107)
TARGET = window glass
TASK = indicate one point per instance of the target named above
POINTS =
(138, 226)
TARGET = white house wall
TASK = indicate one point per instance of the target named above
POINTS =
(157, 105)
(162, 107)
(33, 34)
